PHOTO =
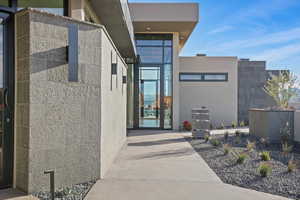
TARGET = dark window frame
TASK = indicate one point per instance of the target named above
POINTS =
(202, 75)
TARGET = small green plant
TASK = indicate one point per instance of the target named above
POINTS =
(241, 158)
(286, 148)
(264, 169)
(234, 124)
(250, 146)
(227, 149)
(206, 138)
(242, 123)
(215, 142)
(265, 156)
(292, 165)
(237, 133)
(226, 135)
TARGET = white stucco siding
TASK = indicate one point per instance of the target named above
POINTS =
(221, 98)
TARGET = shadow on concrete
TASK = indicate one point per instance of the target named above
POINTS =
(167, 154)
(157, 142)
(13, 194)
(133, 133)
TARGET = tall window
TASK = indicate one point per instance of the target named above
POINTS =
(155, 97)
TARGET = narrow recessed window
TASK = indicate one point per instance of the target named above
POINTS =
(202, 77)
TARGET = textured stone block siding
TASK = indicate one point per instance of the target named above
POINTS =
(252, 77)
(22, 102)
(59, 122)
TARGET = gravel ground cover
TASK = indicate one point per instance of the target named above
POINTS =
(76, 192)
(279, 182)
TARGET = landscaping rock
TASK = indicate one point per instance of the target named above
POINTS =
(246, 175)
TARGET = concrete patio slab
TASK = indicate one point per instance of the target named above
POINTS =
(163, 165)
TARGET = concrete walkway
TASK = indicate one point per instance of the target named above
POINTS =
(163, 166)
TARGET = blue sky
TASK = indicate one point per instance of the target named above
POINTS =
(256, 29)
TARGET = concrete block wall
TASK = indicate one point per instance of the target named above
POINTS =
(297, 126)
(252, 76)
(62, 125)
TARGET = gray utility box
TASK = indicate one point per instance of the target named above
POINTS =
(200, 122)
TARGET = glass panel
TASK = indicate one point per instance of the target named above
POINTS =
(190, 77)
(168, 43)
(1, 104)
(150, 54)
(51, 6)
(168, 97)
(4, 3)
(149, 42)
(215, 77)
(149, 99)
(167, 55)
(149, 73)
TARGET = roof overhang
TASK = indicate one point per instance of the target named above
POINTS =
(165, 17)
(115, 16)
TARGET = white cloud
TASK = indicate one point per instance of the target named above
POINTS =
(266, 39)
(279, 54)
(221, 29)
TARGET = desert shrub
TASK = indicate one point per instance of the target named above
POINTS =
(241, 158)
(250, 145)
(206, 138)
(242, 123)
(215, 142)
(226, 135)
(282, 88)
(234, 124)
(292, 165)
(265, 156)
(286, 148)
(264, 169)
(227, 149)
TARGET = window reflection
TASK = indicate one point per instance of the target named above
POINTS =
(155, 51)
(51, 6)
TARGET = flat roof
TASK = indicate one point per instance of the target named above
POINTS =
(165, 17)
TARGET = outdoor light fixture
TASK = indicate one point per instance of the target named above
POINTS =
(114, 67)
(124, 79)
(148, 29)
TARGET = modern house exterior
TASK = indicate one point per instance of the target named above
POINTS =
(75, 74)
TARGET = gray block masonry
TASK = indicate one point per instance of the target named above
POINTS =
(252, 76)
(58, 122)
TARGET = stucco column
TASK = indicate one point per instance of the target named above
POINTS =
(76, 9)
(176, 102)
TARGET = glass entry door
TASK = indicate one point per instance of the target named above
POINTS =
(149, 98)
(6, 101)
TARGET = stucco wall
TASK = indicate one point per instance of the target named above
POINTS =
(219, 97)
(113, 105)
(62, 125)
(176, 87)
